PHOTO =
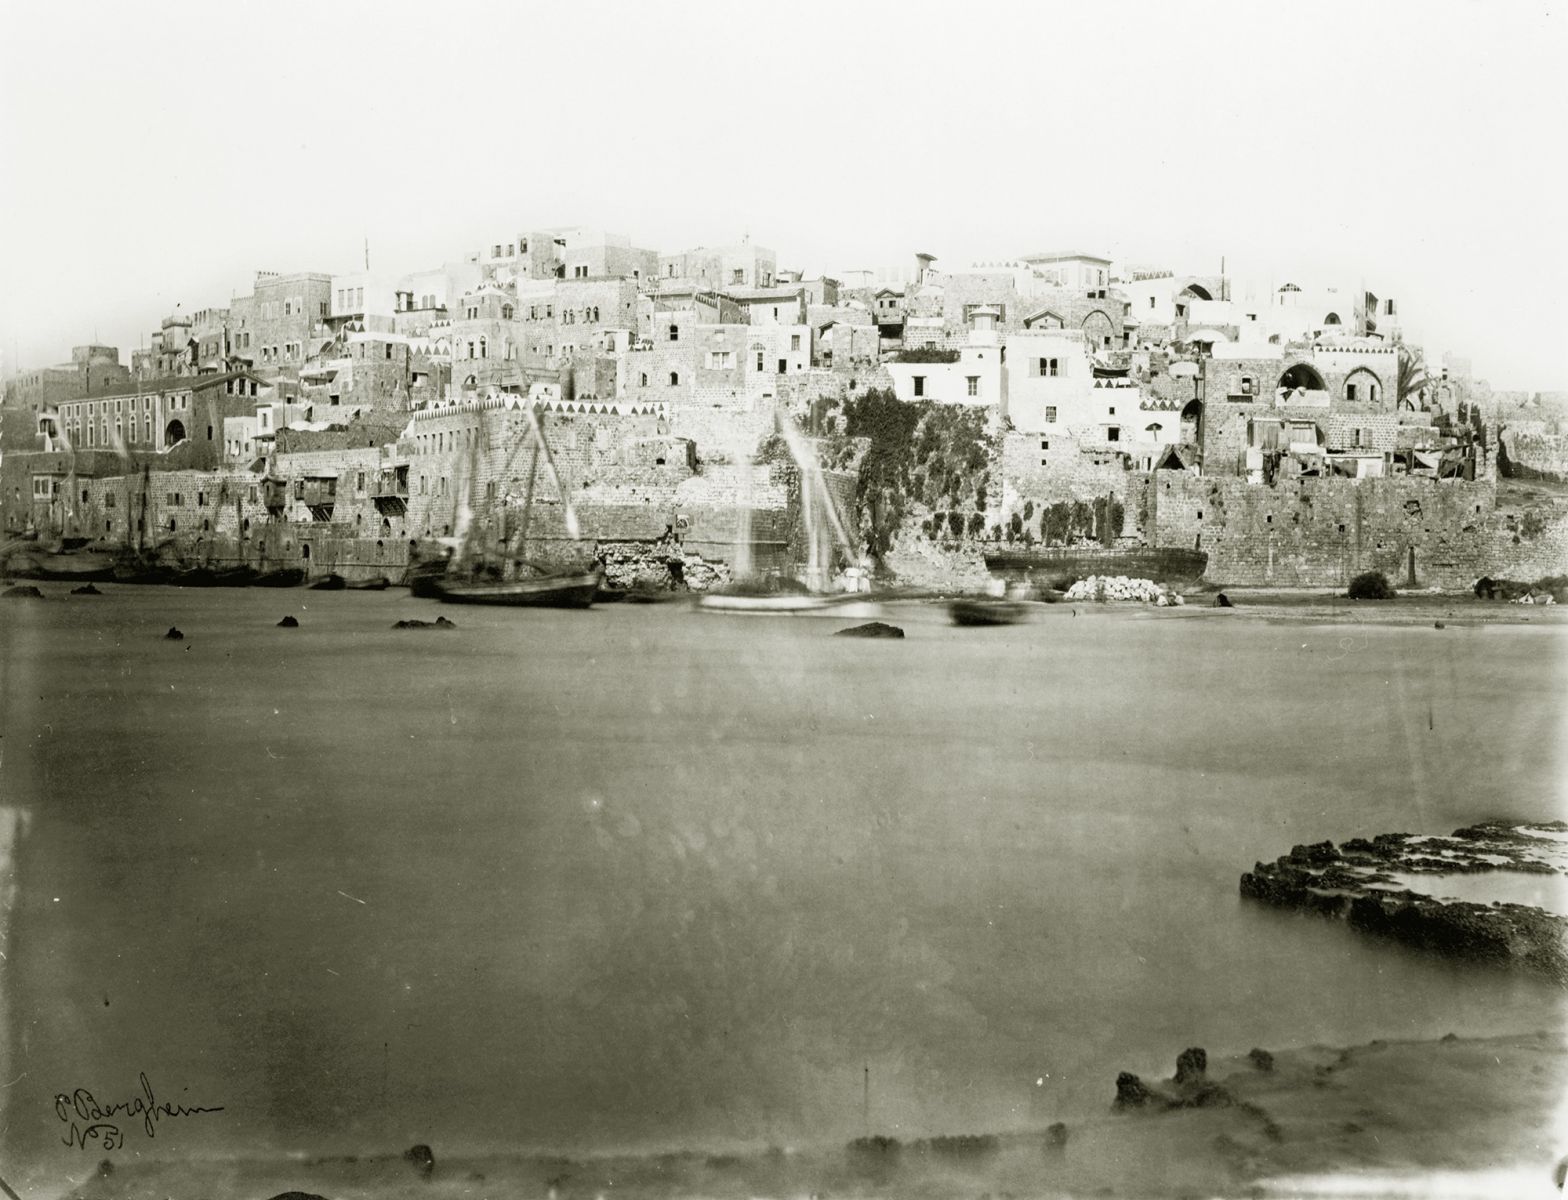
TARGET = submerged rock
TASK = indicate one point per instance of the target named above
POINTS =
(1357, 883)
(288, 623)
(421, 1159)
(22, 591)
(438, 623)
(86, 589)
(871, 629)
(1132, 1092)
(1223, 601)
(1192, 1065)
(174, 635)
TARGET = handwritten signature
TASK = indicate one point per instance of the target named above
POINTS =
(90, 1121)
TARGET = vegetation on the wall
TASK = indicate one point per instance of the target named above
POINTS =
(919, 453)
(926, 354)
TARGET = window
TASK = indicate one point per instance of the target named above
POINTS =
(645, 379)
(388, 348)
(675, 333)
(721, 360)
(509, 251)
(1050, 414)
(1350, 392)
(920, 385)
(794, 341)
(506, 312)
(1248, 387)
(1112, 410)
(1047, 366)
(1113, 433)
(974, 385)
(1151, 301)
(1045, 443)
(759, 360)
(675, 379)
(495, 250)
(738, 275)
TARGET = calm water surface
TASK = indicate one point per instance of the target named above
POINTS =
(642, 878)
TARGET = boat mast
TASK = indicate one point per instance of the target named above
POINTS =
(528, 501)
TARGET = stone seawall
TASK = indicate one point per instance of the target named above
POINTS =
(1320, 532)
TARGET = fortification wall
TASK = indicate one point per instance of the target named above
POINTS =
(1322, 532)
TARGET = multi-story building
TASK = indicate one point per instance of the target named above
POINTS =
(742, 266)
(283, 322)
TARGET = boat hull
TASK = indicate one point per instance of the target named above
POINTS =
(66, 566)
(568, 591)
(986, 612)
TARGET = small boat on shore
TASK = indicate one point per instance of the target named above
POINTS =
(330, 583)
(539, 591)
(986, 612)
(214, 577)
(778, 602)
(70, 566)
(379, 584)
(285, 577)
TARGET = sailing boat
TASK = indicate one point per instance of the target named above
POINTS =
(466, 583)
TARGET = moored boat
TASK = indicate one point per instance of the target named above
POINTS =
(284, 577)
(538, 591)
(72, 566)
(987, 612)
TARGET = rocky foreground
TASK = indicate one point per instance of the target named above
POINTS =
(1456, 1117)
(1394, 886)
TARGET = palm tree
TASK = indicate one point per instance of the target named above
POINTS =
(1412, 377)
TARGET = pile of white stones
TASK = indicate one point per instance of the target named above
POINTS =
(1120, 587)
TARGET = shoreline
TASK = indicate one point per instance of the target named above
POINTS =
(1450, 1116)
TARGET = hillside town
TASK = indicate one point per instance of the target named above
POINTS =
(355, 424)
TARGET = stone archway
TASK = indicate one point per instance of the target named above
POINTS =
(1098, 329)
(1362, 386)
(1302, 375)
(1192, 422)
(173, 432)
(1197, 291)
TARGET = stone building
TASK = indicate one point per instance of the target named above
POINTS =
(283, 322)
(92, 371)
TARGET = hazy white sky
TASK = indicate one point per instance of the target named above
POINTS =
(155, 154)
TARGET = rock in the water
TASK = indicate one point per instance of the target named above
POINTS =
(288, 623)
(421, 1159)
(1437, 625)
(1056, 1136)
(22, 591)
(1191, 1065)
(871, 629)
(86, 589)
(1223, 601)
(438, 623)
(174, 635)
(1261, 1059)
(298, 1196)
(1132, 1093)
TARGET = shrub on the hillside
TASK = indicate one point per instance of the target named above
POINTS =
(1371, 585)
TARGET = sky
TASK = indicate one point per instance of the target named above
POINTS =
(155, 155)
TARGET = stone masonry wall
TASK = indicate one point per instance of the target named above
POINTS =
(1317, 532)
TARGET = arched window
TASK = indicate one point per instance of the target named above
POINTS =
(675, 333)
(645, 379)
(482, 353)
(506, 312)
(470, 350)
(675, 379)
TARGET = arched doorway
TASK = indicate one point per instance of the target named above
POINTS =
(1197, 291)
(1302, 376)
(1192, 422)
(1331, 319)
(173, 432)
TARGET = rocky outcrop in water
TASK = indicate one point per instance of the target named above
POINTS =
(1359, 882)
(174, 635)
(438, 623)
(289, 623)
(86, 589)
(871, 629)
(22, 591)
